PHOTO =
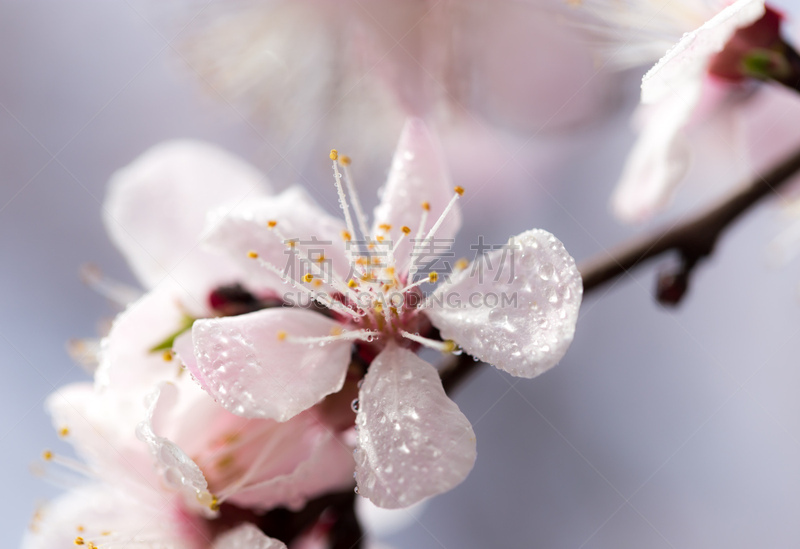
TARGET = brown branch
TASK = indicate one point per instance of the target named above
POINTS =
(694, 239)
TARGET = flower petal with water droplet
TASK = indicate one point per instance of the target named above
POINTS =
(177, 470)
(253, 372)
(418, 174)
(516, 308)
(413, 441)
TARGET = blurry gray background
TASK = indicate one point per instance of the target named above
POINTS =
(661, 428)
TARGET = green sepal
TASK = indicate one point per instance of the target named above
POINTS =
(167, 343)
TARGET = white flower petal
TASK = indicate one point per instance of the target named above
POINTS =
(660, 157)
(243, 364)
(298, 217)
(418, 174)
(247, 536)
(413, 441)
(177, 470)
(517, 312)
(126, 521)
(167, 192)
(689, 58)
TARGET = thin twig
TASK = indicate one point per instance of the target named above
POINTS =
(693, 240)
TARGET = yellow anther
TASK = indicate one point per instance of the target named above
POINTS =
(321, 259)
(459, 191)
(281, 335)
(462, 264)
(380, 238)
(225, 461)
(376, 261)
(352, 283)
(378, 308)
(271, 223)
(79, 541)
(426, 206)
(406, 230)
(449, 346)
(64, 431)
(91, 546)
(346, 235)
(433, 276)
(334, 154)
(214, 504)
(80, 528)
(362, 260)
(252, 255)
(344, 160)
(291, 243)
(317, 282)
(336, 330)
(47, 455)
(308, 277)
(167, 356)
(390, 271)
(385, 227)
(106, 533)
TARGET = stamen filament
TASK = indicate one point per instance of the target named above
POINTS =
(337, 176)
(353, 334)
(330, 303)
(360, 217)
(114, 291)
(447, 346)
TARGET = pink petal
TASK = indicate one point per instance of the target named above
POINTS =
(156, 207)
(517, 312)
(178, 471)
(660, 157)
(97, 508)
(304, 460)
(418, 174)
(246, 536)
(242, 363)
(689, 59)
(298, 217)
(102, 431)
(413, 441)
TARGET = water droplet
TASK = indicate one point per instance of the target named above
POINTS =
(356, 488)
(360, 383)
(354, 405)
(546, 271)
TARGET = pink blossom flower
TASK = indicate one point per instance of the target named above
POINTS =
(100, 516)
(701, 76)
(275, 363)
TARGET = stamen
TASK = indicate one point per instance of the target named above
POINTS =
(446, 346)
(432, 277)
(63, 432)
(342, 199)
(326, 301)
(316, 265)
(85, 352)
(117, 292)
(365, 335)
(349, 181)
(459, 192)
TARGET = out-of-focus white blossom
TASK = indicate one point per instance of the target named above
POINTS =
(700, 81)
